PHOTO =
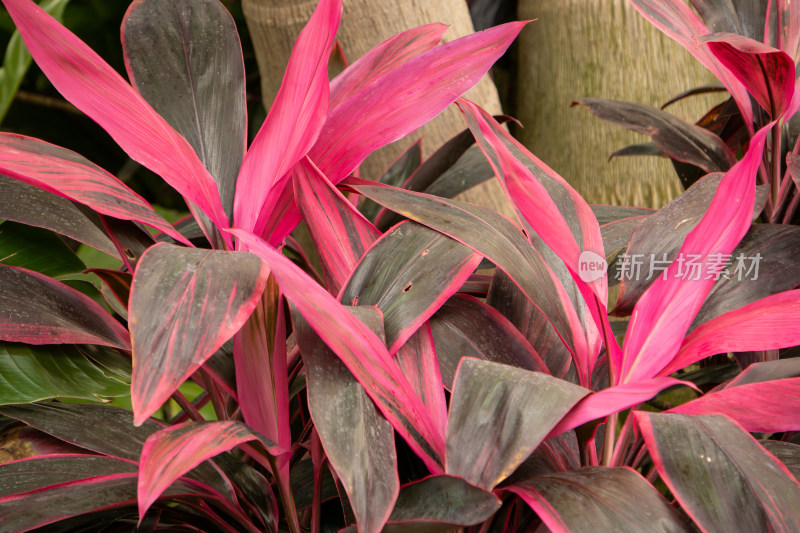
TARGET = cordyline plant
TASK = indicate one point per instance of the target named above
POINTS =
(752, 47)
(394, 389)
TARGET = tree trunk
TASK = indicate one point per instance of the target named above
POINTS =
(587, 48)
(275, 24)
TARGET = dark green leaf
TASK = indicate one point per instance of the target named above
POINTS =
(32, 373)
(40, 472)
(599, 499)
(185, 59)
(492, 428)
(99, 428)
(720, 475)
(36, 249)
(775, 246)
(786, 452)
(440, 503)
(505, 296)
(678, 139)
(358, 441)
(396, 175)
(466, 327)
(408, 274)
(30, 205)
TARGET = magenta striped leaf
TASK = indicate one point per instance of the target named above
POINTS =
(558, 217)
(499, 240)
(41, 491)
(185, 59)
(666, 310)
(555, 211)
(101, 429)
(172, 452)
(418, 359)
(408, 274)
(660, 236)
(764, 407)
(766, 371)
(720, 475)
(36, 309)
(767, 73)
(341, 234)
(184, 304)
(614, 399)
(364, 354)
(384, 58)
(677, 20)
(117, 288)
(466, 327)
(358, 441)
(32, 206)
(35, 473)
(262, 382)
(774, 248)
(406, 98)
(67, 174)
(491, 429)
(95, 88)
(767, 324)
(293, 123)
(599, 499)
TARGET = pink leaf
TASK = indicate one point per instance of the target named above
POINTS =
(764, 407)
(679, 22)
(384, 58)
(767, 73)
(65, 173)
(95, 88)
(262, 382)
(666, 310)
(293, 123)
(172, 452)
(406, 98)
(361, 351)
(340, 232)
(417, 359)
(386, 110)
(602, 403)
(767, 324)
(539, 195)
(542, 198)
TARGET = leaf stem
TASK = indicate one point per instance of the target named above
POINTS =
(610, 436)
(287, 498)
(187, 406)
(776, 170)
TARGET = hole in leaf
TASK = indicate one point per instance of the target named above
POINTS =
(129, 254)
(407, 287)
(425, 251)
